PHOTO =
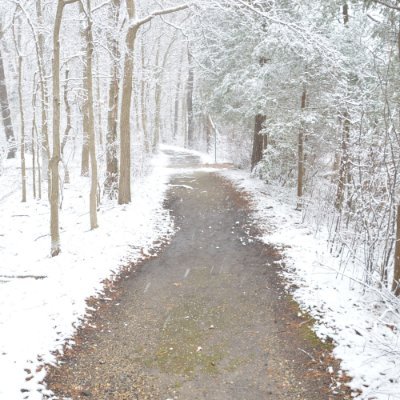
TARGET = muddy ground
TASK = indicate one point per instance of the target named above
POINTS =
(208, 318)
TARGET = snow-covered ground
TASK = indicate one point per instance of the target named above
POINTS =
(42, 299)
(364, 324)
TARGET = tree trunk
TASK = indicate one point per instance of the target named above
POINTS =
(258, 141)
(22, 130)
(158, 95)
(177, 97)
(17, 43)
(85, 109)
(189, 102)
(143, 99)
(344, 163)
(33, 138)
(67, 128)
(209, 131)
(344, 169)
(396, 272)
(99, 103)
(55, 159)
(124, 194)
(300, 169)
(111, 182)
(90, 109)
(45, 147)
(6, 114)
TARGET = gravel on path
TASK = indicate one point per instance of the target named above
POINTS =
(208, 318)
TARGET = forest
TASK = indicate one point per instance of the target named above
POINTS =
(304, 95)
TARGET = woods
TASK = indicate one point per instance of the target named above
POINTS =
(305, 95)
(102, 100)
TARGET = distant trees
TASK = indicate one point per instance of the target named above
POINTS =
(304, 94)
(5, 110)
(84, 62)
(320, 79)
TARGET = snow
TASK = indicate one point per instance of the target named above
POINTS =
(204, 157)
(42, 299)
(363, 322)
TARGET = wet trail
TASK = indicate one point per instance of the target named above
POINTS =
(206, 319)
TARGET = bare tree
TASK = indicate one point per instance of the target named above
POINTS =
(124, 194)
(5, 110)
(158, 94)
(111, 181)
(90, 122)
(189, 101)
(17, 45)
(300, 152)
(56, 155)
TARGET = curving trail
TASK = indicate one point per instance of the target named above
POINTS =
(207, 319)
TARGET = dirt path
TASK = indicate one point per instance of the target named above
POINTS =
(207, 319)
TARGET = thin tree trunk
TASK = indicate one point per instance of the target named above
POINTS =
(45, 147)
(189, 102)
(124, 194)
(99, 102)
(85, 112)
(344, 163)
(158, 95)
(22, 129)
(343, 178)
(17, 42)
(6, 114)
(111, 181)
(55, 159)
(90, 109)
(396, 266)
(67, 128)
(258, 141)
(300, 155)
(33, 138)
(396, 272)
(208, 125)
(143, 99)
(177, 98)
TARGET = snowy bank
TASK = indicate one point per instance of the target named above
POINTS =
(42, 299)
(364, 326)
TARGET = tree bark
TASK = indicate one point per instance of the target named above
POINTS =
(45, 147)
(6, 114)
(68, 126)
(189, 102)
(22, 131)
(124, 194)
(90, 109)
(258, 141)
(143, 99)
(111, 182)
(300, 169)
(396, 272)
(85, 110)
(158, 96)
(55, 159)
(343, 179)
(344, 168)
(177, 97)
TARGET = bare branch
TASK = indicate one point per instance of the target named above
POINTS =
(157, 13)
(386, 4)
